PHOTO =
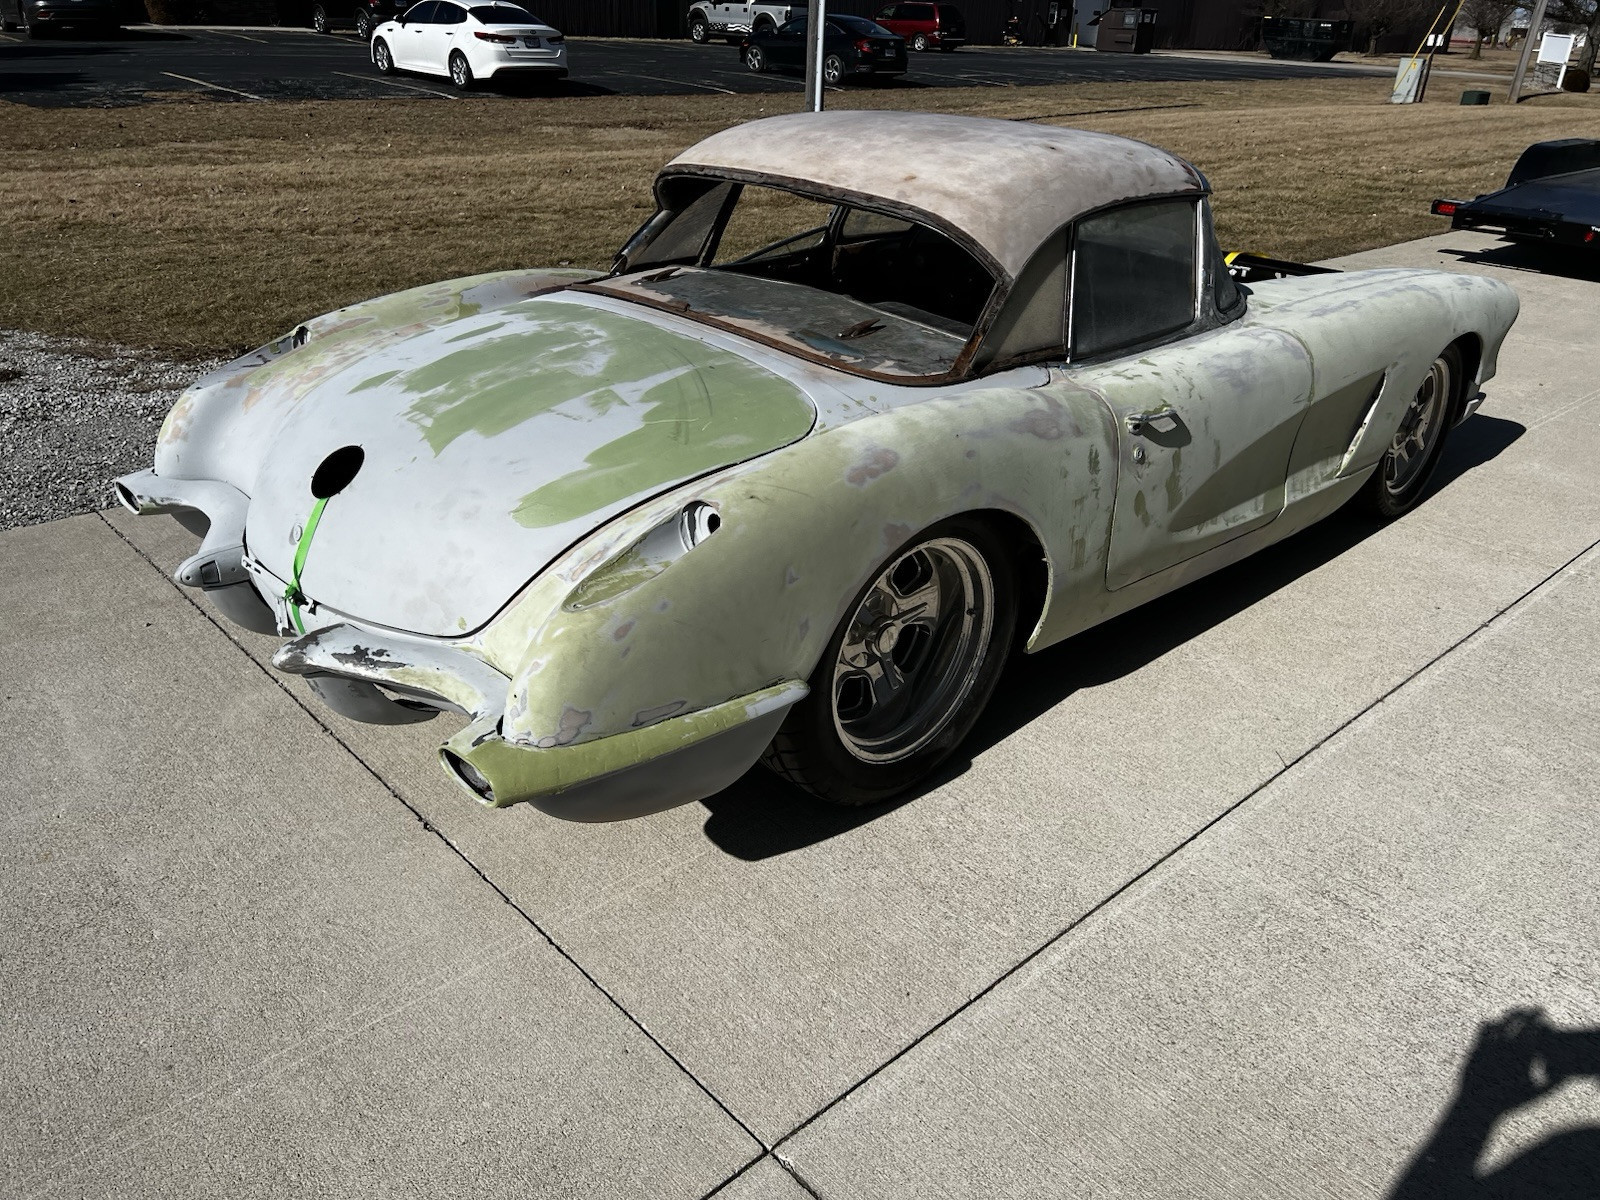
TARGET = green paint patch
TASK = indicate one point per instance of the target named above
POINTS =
(375, 381)
(668, 406)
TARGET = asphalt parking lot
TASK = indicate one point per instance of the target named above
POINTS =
(293, 64)
(1217, 905)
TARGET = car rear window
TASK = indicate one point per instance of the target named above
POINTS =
(503, 14)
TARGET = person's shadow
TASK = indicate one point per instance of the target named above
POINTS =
(1518, 1058)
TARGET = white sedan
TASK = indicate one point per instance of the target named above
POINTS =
(469, 42)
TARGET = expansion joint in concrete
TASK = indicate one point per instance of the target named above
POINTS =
(465, 858)
(1150, 868)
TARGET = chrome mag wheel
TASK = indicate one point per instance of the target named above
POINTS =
(911, 651)
(1415, 441)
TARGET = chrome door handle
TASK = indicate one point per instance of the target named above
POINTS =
(1136, 422)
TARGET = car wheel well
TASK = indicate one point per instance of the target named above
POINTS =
(1030, 562)
(1471, 348)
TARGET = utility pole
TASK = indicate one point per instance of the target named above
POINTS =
(1534, 25)
(816, 27)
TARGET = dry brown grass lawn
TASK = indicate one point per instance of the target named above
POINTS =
(201, 227)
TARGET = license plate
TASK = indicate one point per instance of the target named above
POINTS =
(531, 43)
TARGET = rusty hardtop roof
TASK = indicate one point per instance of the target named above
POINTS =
(1008, 185)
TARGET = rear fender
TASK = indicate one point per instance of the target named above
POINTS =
(632, 628)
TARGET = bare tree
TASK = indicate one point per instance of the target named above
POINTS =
(1487, 18)
(1585, 14)
(1380, 17)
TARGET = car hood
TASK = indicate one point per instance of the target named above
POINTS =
(489, 444)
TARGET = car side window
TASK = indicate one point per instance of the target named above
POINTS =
(793, 28)
(420, 14)
(1133, 276)
(887, 14)
(449, 14)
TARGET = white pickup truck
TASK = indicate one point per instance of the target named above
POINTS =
(709, 20)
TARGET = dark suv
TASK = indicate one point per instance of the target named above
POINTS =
(925, 26)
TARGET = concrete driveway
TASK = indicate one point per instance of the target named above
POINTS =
(1218, 906)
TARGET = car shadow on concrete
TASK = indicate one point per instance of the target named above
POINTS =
(1569, 262)
(761, 816)
(1518, 1057)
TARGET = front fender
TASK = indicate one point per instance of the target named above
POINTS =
(623, 634)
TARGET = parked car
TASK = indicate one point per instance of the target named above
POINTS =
(325, 16)
(1551, 197)
(925, 26)
(41, 18)
(853, 47)
(469, 42)
(732, 21)
(872, 398)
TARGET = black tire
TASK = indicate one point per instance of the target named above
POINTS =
(319, 18)
(382, 58)
(832, 743)
(833, 71)
(699, 29)
(947, 48)
(762, 26)
(460, 71)
(1402, 475)
(7, 25)
(755, 60)
(919, 42)
(364, 26)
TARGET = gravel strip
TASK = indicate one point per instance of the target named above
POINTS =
(73, 416)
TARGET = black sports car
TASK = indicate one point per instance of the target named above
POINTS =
(1552, 195)
(852, 46)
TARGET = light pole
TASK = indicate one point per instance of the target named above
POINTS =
(816, 26)
(1534, 22)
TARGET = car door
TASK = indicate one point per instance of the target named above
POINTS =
(412, 34)
(787, 45)
(1205, 422)
(446, 29)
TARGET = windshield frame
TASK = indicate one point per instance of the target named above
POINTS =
(960, 369)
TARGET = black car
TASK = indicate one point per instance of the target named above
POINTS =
(852, 47)
(1552, 196)
(43, 17)
(326, 15)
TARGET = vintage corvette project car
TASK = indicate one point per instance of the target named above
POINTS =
(871, 399)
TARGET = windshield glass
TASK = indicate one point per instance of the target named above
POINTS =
(865, 290)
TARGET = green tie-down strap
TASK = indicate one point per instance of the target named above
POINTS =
(292, 593)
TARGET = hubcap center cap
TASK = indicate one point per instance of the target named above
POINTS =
(884, 638)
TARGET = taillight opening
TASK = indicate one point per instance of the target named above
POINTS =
(500, 39)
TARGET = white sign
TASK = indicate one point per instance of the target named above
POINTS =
(1556, 47)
